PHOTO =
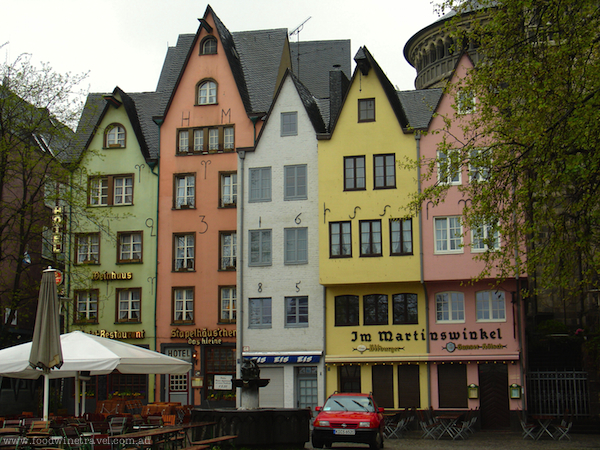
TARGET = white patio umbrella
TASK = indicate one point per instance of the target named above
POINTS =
(83, 352)
(46, 353)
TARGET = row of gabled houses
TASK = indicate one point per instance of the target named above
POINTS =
(256, 206)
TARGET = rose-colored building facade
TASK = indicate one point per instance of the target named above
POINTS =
(474, 335)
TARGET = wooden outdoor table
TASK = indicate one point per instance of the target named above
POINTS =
(448, 420)
(544, 423)
(140, 438)
(191, 428)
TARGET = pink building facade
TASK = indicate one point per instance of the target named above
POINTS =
(475, 349)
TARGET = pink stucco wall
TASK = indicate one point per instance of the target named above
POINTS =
(207, 219)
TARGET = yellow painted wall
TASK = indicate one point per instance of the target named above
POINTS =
(382, 136)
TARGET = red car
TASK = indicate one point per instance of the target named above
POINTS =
(348, 417)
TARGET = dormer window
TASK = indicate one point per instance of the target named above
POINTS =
(207, 93)
(114, 136)
(208, 46)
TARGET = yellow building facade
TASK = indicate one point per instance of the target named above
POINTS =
(376, 338)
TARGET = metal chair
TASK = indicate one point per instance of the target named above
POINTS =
(528, 428)
(562, 430)
(393, 426)
(117, 425)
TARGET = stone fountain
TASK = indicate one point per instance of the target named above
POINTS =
(254, 426)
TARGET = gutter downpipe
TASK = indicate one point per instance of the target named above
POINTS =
(240, 273)
(240, 263)
(158, 121)
(421, 268)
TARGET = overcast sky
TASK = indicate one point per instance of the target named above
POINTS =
(124, 42)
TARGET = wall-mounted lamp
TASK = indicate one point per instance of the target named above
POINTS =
(515, 391)
(194, 357)
(197, 381)
(473, 390)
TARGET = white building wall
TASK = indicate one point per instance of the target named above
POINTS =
(278, 280)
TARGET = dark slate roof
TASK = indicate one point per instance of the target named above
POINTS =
(261, 52)
(310, 104)
(148, 105)
(313, 60)
(93, 111)
(173, 63)
(420, 106)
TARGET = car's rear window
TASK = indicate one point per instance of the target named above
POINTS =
(348, 403)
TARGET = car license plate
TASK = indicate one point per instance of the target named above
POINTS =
(343, 431)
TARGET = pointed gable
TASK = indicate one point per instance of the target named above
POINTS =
(308, 101)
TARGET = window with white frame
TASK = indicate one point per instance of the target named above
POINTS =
(296, 245)
(228, 189)
(198, 140)
(87, 247)
(129, 303)
(183, 141)
(448, 166)
(296, 311)
(114, 136)
(465, 101)
(260, 315)
(295, 182)
(213, 139)
(228, 250)
(228, 304)
(478, 169)
(485, 238)
(111, 190)
(184, 245)
(130, 247)
(228, 138)
(123, 190)
(450, 307)
(260, 184)
(448, 234)
(401, 237)
(260, 248)
(14, 320)
(208, 46)
(207, 93)
(289, 123)
(183, 305)
(185, 191)
(385, 171)
(86, 306)
(491, 306)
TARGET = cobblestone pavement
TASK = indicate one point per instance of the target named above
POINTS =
(483, 440)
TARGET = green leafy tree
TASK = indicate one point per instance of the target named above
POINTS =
(534, 134)
(39, 109)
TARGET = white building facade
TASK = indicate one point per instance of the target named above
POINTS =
(281, 309)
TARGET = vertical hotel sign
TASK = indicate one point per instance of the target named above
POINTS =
(57, 229)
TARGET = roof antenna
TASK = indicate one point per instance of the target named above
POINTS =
(296, 31)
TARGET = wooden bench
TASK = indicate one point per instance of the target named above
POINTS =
(196, 447)
(210, 442)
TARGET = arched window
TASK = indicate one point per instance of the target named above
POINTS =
(114, 136)
(207, 93)
(208, 46)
